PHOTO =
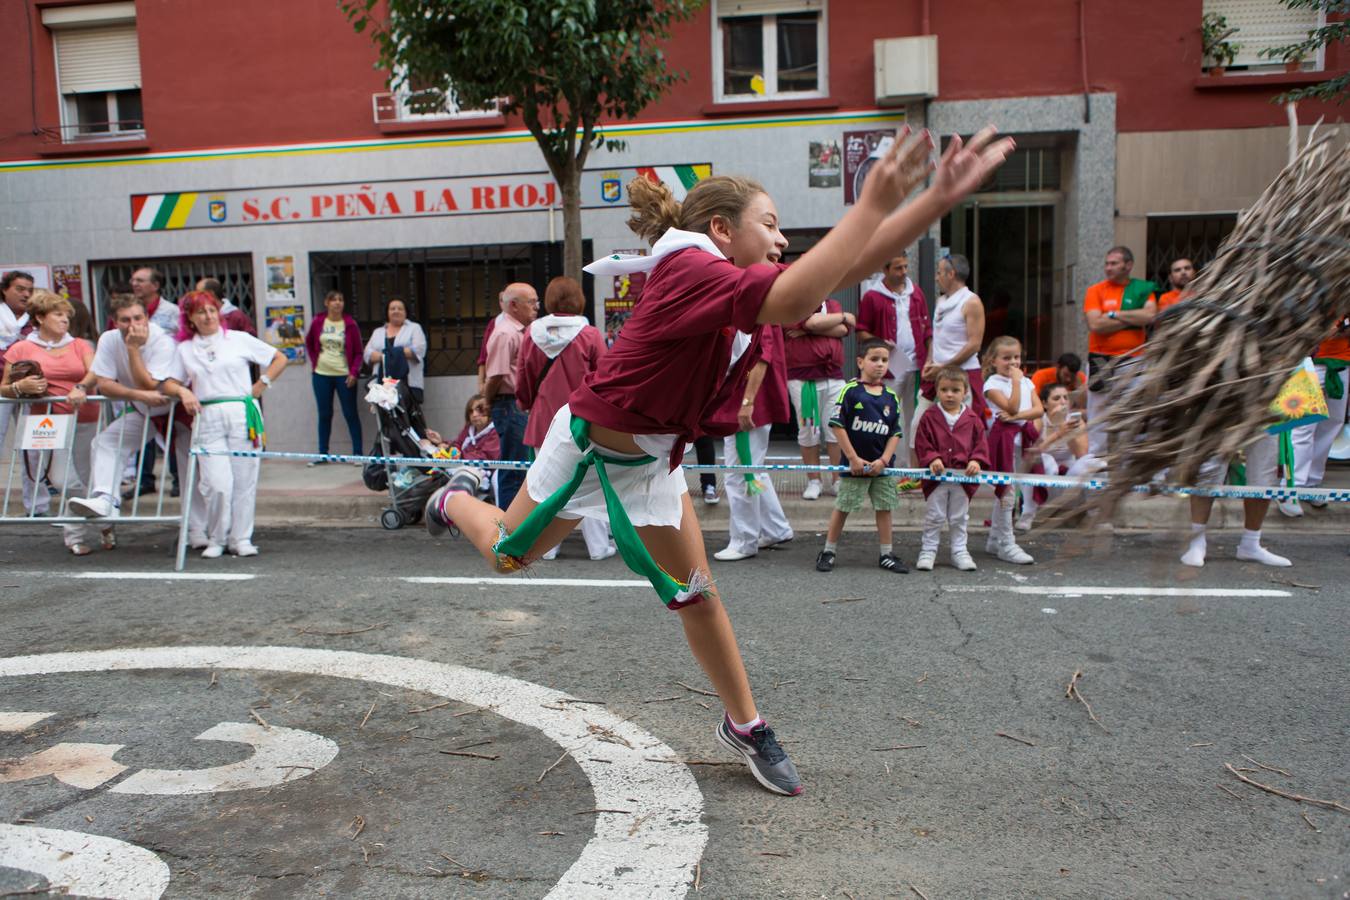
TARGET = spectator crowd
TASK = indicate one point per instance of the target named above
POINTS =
(933, 390)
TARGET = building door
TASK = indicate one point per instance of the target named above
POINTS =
(450, 291)
(1015, 266)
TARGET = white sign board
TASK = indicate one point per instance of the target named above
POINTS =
(45, 432)
(42, 274)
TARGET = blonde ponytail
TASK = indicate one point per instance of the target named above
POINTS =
(655, 209)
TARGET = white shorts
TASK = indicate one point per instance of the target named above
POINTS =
(1262, 460)
(651, 493)
(827, 391)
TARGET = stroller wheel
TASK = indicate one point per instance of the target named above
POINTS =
(391, 519)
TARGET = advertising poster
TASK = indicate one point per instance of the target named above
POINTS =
(825, 166)
(857, 146)
(283, 317)
(67, 281)
(627, 292)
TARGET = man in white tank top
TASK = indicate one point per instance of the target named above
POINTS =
(958, 333)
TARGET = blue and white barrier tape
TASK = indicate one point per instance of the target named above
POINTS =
(1227, 491)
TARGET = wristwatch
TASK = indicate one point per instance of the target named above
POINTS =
(747, 402)
(265, 380)
(1111, 314)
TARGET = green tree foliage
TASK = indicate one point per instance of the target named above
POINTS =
(1333, 32)
(565, 65)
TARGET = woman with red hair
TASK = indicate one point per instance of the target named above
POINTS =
(211, 378)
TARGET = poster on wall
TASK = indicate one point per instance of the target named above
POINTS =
(858, 147)
(42, 275)
(284, 318)
(627, 292)
(67, 281)
(824, 169)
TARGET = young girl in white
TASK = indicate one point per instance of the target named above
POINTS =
(714, 279)
(1012, 398)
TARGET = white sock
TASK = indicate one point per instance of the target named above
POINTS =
(886, 549)
(1251, 540)
(1195, 552)
(745, 729)
(1250, 550)
(832, 546)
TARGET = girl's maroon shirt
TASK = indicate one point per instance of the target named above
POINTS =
(667, 372)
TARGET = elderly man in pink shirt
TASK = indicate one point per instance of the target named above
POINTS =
(503, 350)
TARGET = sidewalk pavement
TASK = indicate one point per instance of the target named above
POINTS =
(333, 495)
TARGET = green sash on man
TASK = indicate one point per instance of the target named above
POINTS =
(1137, 293)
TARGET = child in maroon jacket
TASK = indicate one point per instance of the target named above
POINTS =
(950, 436)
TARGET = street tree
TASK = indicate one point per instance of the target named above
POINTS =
(564, 65)
(1333, 32)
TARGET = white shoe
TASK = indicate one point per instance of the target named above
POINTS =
(91, 507)
(244, 548)
(213, 551)
(962, 560)
(1261, 555)
(1318, 504)
(766, 543)
(731, 554)
(710, 495)
(551, 554)
(833, 487)
(609, 551)
(198, 541)
(1290, 509)
(1194, 557)
(925, 561)
(1011, 553)
(813, 489)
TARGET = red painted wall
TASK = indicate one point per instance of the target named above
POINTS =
(261, 72)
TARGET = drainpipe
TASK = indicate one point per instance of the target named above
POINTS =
(1082, 47)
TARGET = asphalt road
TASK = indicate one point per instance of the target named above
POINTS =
(848, 667)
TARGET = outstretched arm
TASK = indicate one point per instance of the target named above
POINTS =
(834, 263)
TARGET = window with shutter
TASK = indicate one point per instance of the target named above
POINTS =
(98, 70)
(769, 49)
(1263, 25)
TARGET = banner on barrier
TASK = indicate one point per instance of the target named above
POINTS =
(45, 431)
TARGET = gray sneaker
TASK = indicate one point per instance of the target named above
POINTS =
(768, 761)
(461, 479)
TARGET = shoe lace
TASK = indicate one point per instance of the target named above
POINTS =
(766, 744)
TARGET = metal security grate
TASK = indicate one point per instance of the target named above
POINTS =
(450, 291)
(1196, 238)
(181, 274)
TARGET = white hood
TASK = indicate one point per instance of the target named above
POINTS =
(673, 240)
(553, 333)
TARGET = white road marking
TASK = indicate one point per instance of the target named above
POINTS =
(84, 766)
(642, 777)
(84, 865)
(1097, 590)
(281, 755)
(1049, 610)
(13, 722)
(516, 581)
(138, 576)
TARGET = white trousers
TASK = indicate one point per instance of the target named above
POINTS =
(229, 484)
(947, 505)
(1324, 435)
(757, 518)
(117, 445)
(68, 471)
(827, 391)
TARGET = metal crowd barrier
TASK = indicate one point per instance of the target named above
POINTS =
(37, 464)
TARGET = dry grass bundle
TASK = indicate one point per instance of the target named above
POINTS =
(1215, 363)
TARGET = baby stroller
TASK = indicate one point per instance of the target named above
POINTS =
(402, 432)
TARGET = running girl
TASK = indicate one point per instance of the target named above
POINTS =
(714, 277)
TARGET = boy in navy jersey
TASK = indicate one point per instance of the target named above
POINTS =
(866, 422)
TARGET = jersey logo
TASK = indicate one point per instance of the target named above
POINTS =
(858, 405)
(869, 427)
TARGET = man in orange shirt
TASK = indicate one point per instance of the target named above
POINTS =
(1181, 274)
(1067, 370)
(1117, 311)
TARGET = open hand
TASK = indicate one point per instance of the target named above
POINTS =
(899, 172)
(965, 166)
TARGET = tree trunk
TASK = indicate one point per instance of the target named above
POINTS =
(571, 198)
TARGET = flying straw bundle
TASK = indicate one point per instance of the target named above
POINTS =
(1204, 383)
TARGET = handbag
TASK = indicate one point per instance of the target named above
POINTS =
(395, 363)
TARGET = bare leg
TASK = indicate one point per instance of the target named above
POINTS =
(836, 530)
(835, 455)
(884, 530)
(479, 522)
(1254, 514)
(1201, 507)
(811, 457)
(707, 627)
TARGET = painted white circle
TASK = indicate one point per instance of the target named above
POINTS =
(646, 779)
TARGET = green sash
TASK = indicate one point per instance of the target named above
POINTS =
(253, 419)
(752, 487)
(1136, 294)
(810, 404)
(1335, 382)
(673, 592)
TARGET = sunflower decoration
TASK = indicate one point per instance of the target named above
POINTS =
(1299, 402)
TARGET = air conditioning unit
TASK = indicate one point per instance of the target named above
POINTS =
(906, 69)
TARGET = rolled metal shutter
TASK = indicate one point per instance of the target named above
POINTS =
(98, 59)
